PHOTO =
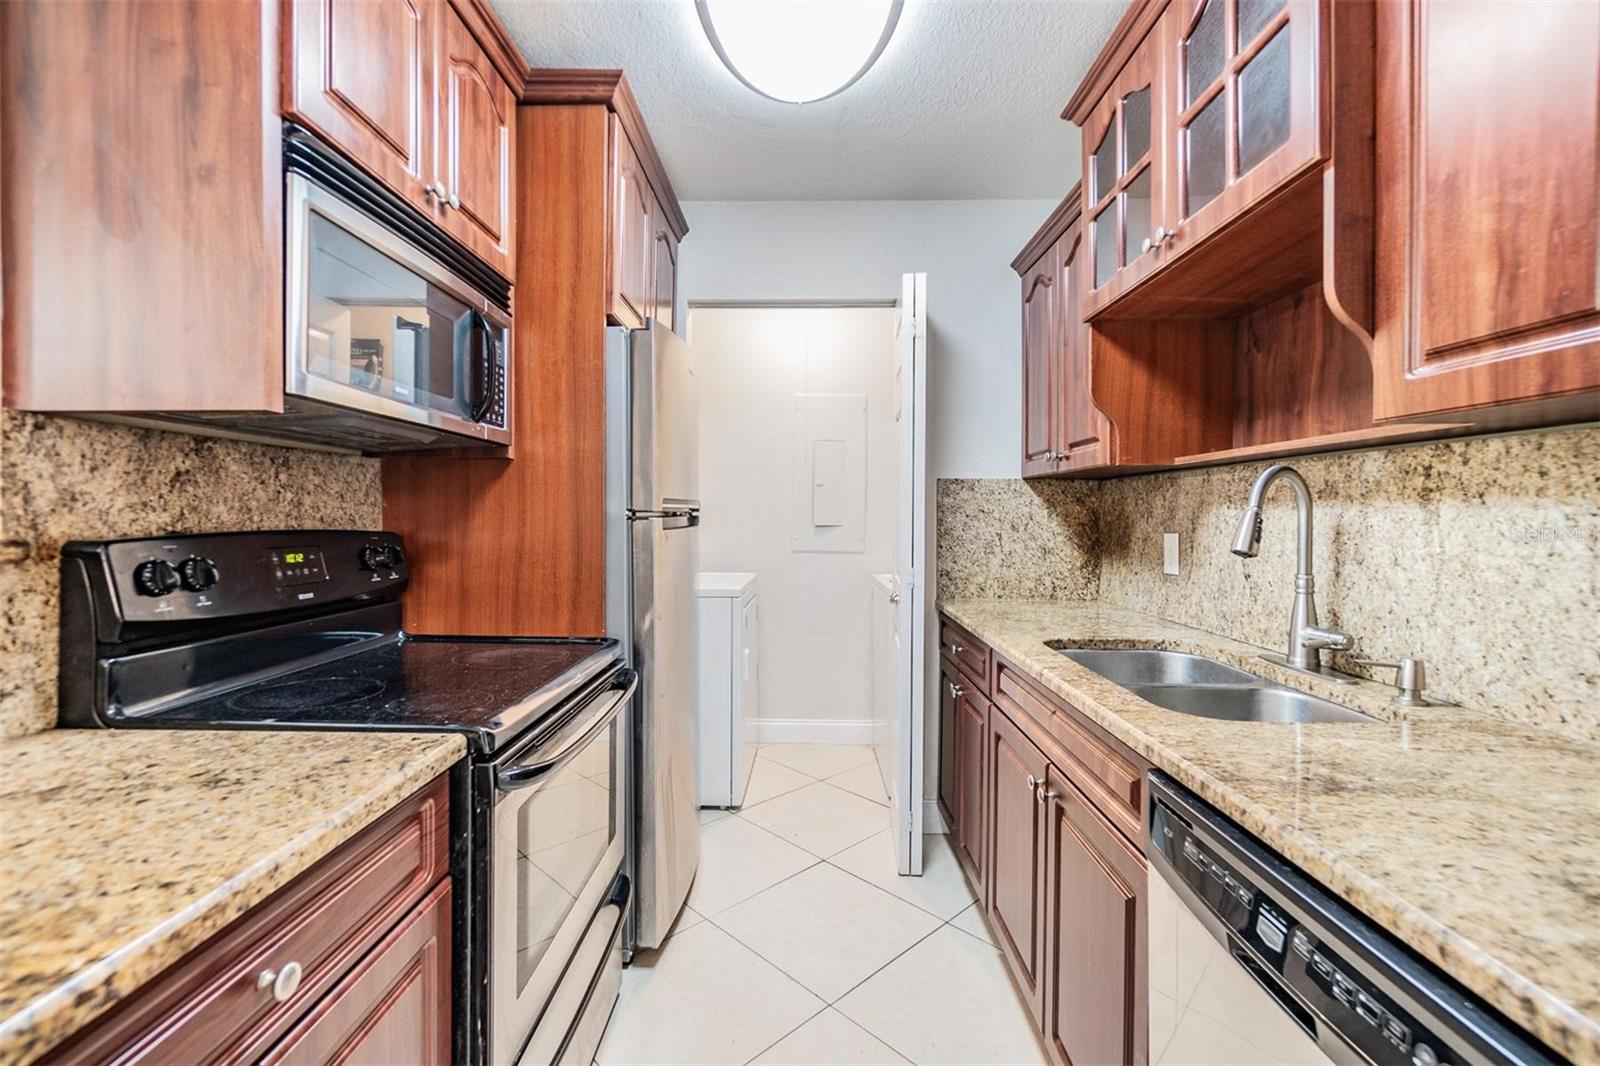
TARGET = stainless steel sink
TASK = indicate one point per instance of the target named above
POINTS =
(1206, 688)
(1262, 702)
(1137, 666)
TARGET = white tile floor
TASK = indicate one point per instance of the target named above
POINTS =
(802, 944)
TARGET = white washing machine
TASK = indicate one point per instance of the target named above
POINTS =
(729, 620)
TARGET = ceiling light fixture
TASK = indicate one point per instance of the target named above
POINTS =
(799, 51)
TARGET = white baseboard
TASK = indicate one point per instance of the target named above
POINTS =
(932, 820)
(814, 730)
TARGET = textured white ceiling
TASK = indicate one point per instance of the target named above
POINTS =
(963, 104)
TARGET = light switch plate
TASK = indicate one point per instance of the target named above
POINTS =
(1169, 553)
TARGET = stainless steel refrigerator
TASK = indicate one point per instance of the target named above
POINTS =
(652, 550)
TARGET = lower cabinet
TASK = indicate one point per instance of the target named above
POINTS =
(393, 1007)
(1017, 808)
(971, 736)
(947, 744)
(1045, 812)
(1095, 926)
(349, 962)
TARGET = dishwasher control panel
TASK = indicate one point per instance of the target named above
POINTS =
(1348, 985)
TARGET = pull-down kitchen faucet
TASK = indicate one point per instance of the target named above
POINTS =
(1306, 638)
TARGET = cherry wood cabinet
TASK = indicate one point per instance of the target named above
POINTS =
(393, 1007)
(1085, 433)
(1042, 324)
(1096, 1000)
(477, 132)
(1488, 208)
(362, 75)
(1127, 173)
(550, 578)
(1055, 857)
(1062, 427)
(1016, 824)
(632, 236)
(664, 270)
(141, 207)
(353, 953)
(971, 744)
(947, 743)
(1243, 90)
(406, 89)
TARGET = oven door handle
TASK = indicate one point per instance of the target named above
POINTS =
(526, 775)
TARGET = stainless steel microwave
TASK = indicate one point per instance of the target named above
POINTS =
(386, 346)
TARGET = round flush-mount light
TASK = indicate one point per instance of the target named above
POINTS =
(799, 51)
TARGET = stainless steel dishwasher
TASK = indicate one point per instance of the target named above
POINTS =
(1253, 963)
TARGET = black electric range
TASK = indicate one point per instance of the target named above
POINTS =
(290, 630)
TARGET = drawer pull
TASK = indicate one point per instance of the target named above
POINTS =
(284, 983)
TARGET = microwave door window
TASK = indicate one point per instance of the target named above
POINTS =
(377, 326)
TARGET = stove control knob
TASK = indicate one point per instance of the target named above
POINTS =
(379, 557)
(198, 574)
(155, 578)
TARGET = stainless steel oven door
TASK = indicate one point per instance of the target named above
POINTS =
(376, 326)
(555, 854)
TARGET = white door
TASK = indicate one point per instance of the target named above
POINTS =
(911, 392)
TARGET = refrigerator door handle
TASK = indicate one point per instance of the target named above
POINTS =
(675, 517)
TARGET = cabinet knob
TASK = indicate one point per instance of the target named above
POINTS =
(284, 983)
(1033, 784)
(956, 649)
(1145, 245)
(957, 690)
(455, 201)
(435, 189)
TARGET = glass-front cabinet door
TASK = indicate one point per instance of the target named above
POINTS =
(1125, 175)
(1246, 106)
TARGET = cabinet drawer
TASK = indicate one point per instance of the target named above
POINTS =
(1112, 781)
(220, 1004)
(966, 651)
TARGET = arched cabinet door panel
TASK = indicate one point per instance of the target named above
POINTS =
(1041, 342)
(477, 113)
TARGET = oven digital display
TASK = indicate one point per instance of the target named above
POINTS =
(297, 566)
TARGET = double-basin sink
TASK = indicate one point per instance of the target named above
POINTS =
(1194, 684)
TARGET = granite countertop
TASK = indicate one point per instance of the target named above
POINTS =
(121, 851)
(1474, 840)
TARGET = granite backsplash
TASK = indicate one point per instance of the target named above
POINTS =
(1480, 555)
(63, 479)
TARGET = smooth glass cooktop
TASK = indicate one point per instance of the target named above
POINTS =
(491, 689)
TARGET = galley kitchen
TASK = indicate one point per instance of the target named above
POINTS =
(800, 531)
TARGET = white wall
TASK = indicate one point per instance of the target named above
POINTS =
(815, 639)
(857, 250)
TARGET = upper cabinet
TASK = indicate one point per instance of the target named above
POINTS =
(1320, 224)
(1062, 427)
(1041, 332)
(361, 74)
(664, 260)
(1244, 104)
(632, 241)
(1488, 208)
(406, 90)
(477, 112)
(1215, 111)
(1125, 189)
